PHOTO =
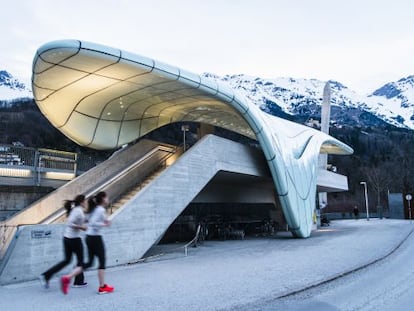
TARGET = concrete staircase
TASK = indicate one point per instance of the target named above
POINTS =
(120, 172)
(122, 200)
(143, 215)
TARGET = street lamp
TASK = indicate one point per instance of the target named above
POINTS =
(409, 197)
(184, 128)
(364, 183)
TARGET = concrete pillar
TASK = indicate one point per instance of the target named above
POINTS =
(323, 158)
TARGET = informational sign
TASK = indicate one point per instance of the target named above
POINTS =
(41, 234)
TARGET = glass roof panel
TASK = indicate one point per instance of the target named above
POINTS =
(81, 128)
(89, 61)
(56, 55)
(57, 77)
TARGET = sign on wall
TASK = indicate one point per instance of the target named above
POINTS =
(41, 234)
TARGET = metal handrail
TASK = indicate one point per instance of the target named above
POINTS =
(60, 212)
(193, 241)
(185, 247)
(6, 238)
(162, 164)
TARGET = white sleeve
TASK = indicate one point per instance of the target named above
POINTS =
(74, 219)
(101, 218)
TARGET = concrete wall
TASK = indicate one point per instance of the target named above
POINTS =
(82, 184)
(31, 181)
(331, 182)
(143, 220)
(15, 198)
(40, 210)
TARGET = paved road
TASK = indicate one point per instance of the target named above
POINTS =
(246, 275)
(386, 285)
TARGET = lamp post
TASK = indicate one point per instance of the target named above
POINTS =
(409, 197)
(364, 183)
(184, 128)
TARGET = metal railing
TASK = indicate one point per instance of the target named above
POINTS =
(8, 231)
(34, 163)
(184, 247)
(59, 213)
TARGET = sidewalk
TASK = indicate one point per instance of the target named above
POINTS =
(222, 275)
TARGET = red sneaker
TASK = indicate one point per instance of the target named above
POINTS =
(64, 284)
(106, 289)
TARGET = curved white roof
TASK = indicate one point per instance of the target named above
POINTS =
(103, 97)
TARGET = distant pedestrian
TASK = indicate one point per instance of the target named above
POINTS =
(97, 218)
(72, 243)
(356, 212)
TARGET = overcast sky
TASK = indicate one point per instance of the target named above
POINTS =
(362, 44)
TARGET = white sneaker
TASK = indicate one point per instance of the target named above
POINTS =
(43, 281)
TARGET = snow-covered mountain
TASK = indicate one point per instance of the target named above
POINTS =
(393, 103)
(11, 88)
(298, 99)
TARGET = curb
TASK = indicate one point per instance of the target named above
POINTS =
(342, 274)
(319, 283)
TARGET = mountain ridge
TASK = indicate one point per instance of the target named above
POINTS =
(392, 103)
(297, 99)
(11, 88)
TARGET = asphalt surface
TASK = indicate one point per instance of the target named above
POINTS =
(251, 274)
(385, 285)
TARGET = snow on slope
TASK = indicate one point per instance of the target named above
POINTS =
(393, 103)
(11, 88)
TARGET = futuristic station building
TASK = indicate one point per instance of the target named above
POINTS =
(105, 98)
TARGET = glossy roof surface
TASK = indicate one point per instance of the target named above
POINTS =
(103, 98)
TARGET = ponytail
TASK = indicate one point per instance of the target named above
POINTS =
(68, 205)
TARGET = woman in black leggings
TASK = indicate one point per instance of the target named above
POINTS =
(72, 243)
(96, 248)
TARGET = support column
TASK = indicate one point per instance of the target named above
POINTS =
(323, 158)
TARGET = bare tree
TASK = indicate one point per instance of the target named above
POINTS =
(379, 178)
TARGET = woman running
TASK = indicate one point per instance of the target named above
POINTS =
(96, 248)
(72, 243)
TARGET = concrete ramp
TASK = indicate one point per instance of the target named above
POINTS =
(143, 220)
